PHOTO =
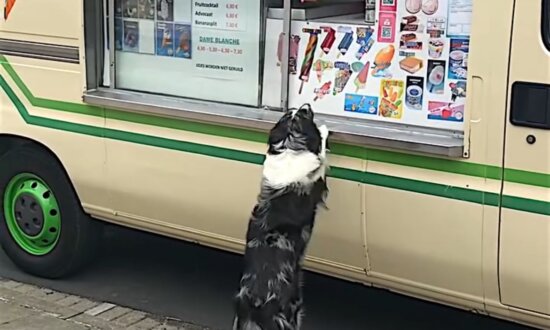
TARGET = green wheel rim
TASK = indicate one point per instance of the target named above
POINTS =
(32, 214)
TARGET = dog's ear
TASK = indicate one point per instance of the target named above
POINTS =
(278, 134)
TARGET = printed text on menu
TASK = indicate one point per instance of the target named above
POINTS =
(219, 14)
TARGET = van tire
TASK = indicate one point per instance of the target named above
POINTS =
(43, 228)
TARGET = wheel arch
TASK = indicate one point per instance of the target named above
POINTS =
(10, 141)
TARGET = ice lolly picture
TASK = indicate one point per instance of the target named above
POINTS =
(361, 79)
(322, 91)
(329, 40)
(320, 66)
(342, 76)
(8, 6)
(345, 43)
(309, 54)
(364, 40)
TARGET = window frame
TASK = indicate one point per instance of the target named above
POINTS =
(348, 131)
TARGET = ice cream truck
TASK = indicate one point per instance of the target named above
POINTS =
(153, 114)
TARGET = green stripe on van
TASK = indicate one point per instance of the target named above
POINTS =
(390, 157)
(427, 188)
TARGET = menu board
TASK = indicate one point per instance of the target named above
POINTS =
(407, 68)
(177, 47)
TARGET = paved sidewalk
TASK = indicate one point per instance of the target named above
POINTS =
(27, 307)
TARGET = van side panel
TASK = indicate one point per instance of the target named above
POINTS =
(525, 236)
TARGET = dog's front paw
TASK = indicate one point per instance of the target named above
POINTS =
(324, 132)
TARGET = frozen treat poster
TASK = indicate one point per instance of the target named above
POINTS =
(458, 58)
(361, 104)
(165, 10)
(165, 39)
(130, 8)
(183, 42)
(131, 36)
(436, 77)
(146, 9)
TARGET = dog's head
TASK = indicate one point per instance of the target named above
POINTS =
(297, 150)
(296, 130)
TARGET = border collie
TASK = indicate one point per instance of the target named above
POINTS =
(293, 186)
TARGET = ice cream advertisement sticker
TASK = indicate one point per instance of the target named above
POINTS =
(391, 98)
(445, 111)
(165, 39)
(458, 58)
(388, 5)
(414, 93)
(458, 90)
(386, 27)
(183, 41)
(361, 104)
(131, 36)
(342, 76)
(382, 62)
(436, 77)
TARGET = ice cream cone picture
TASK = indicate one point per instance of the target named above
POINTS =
(307, 63)
(361, 79)
(8, 6)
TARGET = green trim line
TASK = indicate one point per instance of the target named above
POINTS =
(421, 187)
(390, 157)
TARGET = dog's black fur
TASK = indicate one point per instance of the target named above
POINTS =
(270, 296)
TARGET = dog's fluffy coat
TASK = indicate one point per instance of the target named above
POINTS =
(293, 186)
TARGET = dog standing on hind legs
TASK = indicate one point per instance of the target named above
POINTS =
(293, 186)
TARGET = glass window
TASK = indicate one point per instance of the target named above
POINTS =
(202, 49)
(383, 61)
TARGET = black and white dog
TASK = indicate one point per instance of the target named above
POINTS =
(293, 186)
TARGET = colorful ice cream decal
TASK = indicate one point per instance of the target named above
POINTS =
(329, 40)
(436, 76)
(445, 111)
(361, 79)
(382, 62)
(322, 91)
(320, 66)
(391, 102)
(346, 41)
(458, 89)
(307, 63)
(8, 6)
(365, 41)
(361, 104)
(342, 76)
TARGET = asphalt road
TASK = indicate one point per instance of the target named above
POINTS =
(196, 284)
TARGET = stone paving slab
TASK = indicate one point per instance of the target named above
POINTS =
(25, 306)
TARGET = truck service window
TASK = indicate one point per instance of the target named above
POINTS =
(382, 72)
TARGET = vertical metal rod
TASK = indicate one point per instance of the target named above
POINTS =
(112, 50)
(287, 17)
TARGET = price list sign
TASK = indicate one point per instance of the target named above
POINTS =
(219, 15)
